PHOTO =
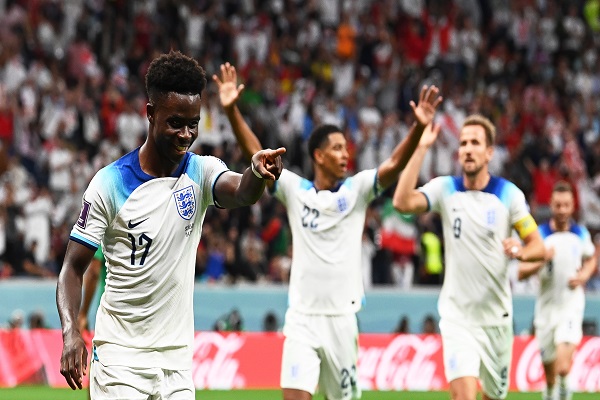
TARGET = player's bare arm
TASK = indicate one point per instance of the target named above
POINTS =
(423, 112)
(588, 268)
(406, 197)
(237, 190)
(527, 269)
(73, 361)
(90, 282)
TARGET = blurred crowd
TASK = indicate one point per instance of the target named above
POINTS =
(72, 100)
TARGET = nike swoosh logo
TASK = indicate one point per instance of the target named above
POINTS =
(130, 225)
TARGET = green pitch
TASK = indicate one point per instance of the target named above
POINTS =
(46, 393)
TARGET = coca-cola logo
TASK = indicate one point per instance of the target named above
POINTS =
(214, 364)
(583, 377)
(529, 373)
(585, 372)
(406, 363)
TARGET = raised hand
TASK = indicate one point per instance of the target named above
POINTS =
(429, 100)
(268, 164)
(228, 91)
(430, 134)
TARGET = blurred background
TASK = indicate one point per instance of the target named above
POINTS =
(72, 100)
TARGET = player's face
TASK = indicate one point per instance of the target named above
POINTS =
(174, 122)
(473, 152)
(562, 205)
(333, 156)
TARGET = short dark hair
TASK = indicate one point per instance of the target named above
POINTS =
(174, 72)
(319, 136)
(562, 187)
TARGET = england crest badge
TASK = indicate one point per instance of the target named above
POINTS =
(186, 202)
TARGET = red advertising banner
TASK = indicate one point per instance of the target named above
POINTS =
(253, 360)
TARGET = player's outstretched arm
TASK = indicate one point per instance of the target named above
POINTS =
(229, 93)
(406, 198)
(424, 111)
(234, 190)
(73, 361)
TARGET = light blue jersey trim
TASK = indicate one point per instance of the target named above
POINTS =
(126, 175)
(86, 242)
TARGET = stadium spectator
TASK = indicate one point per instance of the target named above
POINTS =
(429, 325)
(403, 325)
(522, 90)
(119, 210)
(477, 212)
(567, 266)
(326, 288)
(270, 322)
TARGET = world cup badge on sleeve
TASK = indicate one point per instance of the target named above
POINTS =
(186, 202)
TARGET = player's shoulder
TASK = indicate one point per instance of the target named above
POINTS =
(545, 229)
(447, 183)
(579, 230)
(292, 180)
(502, 187)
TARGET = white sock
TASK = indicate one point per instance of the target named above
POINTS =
(548, 393)
(563, 389)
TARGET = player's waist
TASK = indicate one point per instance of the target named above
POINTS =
(172, 358)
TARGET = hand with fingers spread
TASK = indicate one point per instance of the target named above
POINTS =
(429, 100)
(73, 361)
(267, 164)
(229, 93)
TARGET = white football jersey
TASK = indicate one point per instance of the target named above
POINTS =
(476, 286)
(149, 229)
(327, 228)
(556, 299)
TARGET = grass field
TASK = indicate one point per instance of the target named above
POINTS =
(46, 393)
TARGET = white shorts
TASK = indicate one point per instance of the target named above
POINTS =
(548, 336)
(321, 350)
(120, 382)
(480, 351)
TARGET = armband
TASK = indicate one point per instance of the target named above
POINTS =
(525, 226)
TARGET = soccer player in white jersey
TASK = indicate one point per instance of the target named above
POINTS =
(147, 209)
(478, 213)
(326, 216)
(568, 265)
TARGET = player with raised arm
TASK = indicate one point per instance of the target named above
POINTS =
(568, 265)
(326, 216)
(478, 212)
(147, 210)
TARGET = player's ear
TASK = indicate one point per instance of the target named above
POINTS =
(489, 153)
(318, 154)
(150, 112)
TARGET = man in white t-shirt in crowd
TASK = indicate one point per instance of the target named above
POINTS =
(326, 216)
(478, 212)
(568, 265)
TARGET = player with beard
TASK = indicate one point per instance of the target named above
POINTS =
(478, 212)
(559, 308)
